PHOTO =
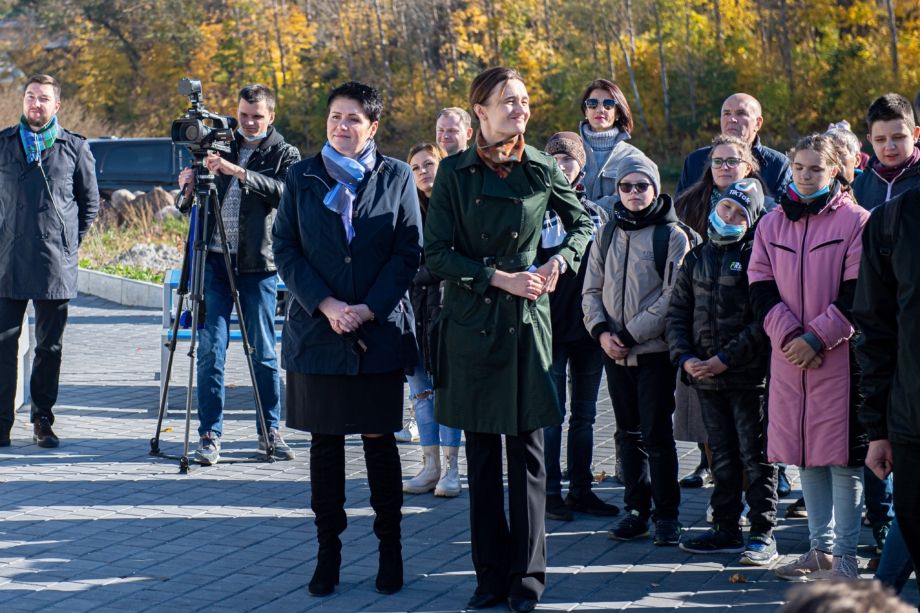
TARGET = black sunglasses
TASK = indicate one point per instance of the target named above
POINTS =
(608, 103)
(639, 188)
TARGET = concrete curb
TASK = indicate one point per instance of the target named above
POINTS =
(127, 292)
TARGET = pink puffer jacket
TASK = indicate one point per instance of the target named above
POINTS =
(809, 410)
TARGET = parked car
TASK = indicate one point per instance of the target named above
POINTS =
(137, 164)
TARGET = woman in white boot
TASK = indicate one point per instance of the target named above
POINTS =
(426, 303)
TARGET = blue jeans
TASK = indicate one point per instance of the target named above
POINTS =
(429, 431)
(258, 300)
(586, 363)
(895, 567)
(879, 504)
(834, 498)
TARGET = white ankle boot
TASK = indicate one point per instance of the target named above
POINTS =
(449, 484)
(427, 478)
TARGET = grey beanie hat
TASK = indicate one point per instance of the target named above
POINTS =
(637, 162)
(568, 143)
(748, 194)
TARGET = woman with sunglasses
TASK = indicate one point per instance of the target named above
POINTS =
(605, 129)
(625, 300)
(493, 356)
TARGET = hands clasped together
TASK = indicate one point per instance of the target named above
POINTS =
(799, 353)
(344, 317)
(530, 285)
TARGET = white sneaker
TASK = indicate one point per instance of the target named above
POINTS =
(449, 484)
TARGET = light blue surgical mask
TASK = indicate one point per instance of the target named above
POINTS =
(251, 139)
(723, 233)
(817, 194)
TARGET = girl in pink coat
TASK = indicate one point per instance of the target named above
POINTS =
(802, 281)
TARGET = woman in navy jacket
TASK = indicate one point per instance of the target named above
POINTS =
(347, 242)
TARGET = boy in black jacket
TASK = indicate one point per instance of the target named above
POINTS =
(721, 350)
(886, 313)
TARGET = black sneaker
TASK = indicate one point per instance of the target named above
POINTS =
(715, 540)
(43, 435)
(630, 527)
(797, 509)
(557, 509)
(698, 478)
(592, 505)
(667, 532)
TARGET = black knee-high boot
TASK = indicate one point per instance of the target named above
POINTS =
(384, 475)
(327, 499)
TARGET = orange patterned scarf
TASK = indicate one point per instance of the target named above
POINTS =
(501, 157)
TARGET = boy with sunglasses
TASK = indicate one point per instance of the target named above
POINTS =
(625, 299)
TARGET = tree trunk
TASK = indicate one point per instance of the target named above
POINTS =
(893, 41)
(665, 95)
(688, 56)
(611, 67)
(786, 54)
(493, 31)
(282, 63)
(717, 18)
(546, 23)
(381, 37)
(630, 32)
(632, 82)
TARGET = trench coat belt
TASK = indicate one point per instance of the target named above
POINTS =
(514, 262)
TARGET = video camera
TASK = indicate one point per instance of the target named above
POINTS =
(200, 130)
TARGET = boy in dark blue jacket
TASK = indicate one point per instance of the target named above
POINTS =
(722, 351)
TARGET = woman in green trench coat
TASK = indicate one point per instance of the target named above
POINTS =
(494, 349)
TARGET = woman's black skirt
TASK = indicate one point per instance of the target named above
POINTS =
(345, 404)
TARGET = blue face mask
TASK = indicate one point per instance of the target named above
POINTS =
(817, 194)
(724, 232)
(251, 139)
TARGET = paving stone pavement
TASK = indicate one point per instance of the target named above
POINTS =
(99, 525)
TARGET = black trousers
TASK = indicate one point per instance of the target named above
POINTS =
(643, 403)
(907, 497)
(50, 319)
(511, 562)
(736, 428)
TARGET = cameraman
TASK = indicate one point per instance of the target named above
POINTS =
(250, 180)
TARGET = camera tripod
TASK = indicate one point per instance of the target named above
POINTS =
(191, 283)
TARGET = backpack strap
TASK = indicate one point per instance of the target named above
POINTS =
(607, 237)
(661, 240)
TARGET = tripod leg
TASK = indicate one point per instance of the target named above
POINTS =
(247, 349)
(155, 441)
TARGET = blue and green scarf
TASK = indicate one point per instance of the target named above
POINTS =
(33, 143)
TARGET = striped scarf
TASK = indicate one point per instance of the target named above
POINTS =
(33, 143)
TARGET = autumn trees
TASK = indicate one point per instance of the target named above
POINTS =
(808, 63)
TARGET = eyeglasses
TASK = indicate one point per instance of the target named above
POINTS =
(639, 188)
(730, 162)
(608, 103)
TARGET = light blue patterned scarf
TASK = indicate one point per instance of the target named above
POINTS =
(348, 174)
